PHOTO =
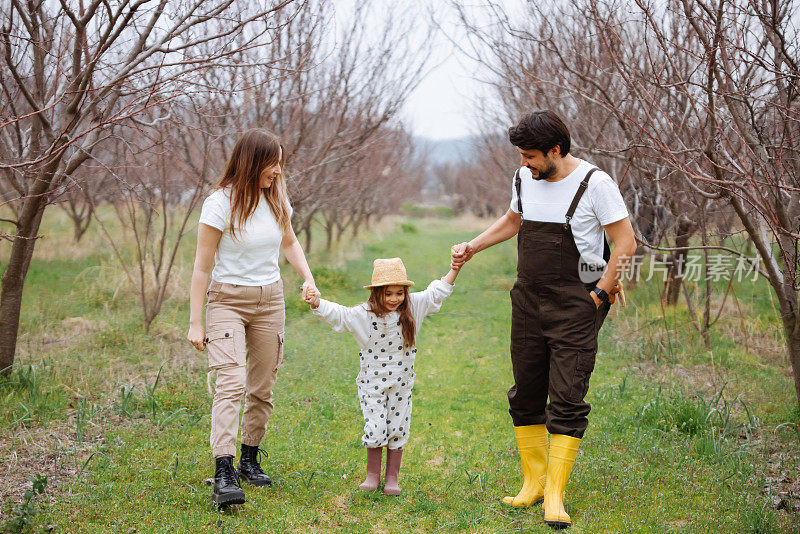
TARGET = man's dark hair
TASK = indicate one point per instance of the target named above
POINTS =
(540, 130)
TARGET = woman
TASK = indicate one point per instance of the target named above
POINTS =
(243, 225)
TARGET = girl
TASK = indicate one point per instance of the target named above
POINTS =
(243, 226)
(385, 327)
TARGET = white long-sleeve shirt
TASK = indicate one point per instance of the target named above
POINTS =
(358, 319)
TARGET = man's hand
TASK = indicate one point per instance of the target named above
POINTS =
(460, 254)
(612, 295)
(596, 299)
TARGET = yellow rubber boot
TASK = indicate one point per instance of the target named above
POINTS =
(532, 444)
(563, 450)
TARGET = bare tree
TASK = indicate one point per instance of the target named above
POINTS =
(337, 103)
(161, 175)
(69, 75)
(704, 93)
(76, 206)
(326, 102)
(556, 62)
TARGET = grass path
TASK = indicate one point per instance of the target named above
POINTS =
(653, 459)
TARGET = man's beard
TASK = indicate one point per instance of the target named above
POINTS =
(547, 173)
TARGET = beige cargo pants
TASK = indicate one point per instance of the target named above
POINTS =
(244, 340)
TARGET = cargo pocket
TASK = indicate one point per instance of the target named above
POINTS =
(279, 359)
(602, 313)
(580, 380)
(225, 346)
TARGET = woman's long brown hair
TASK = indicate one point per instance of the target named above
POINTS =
(256, 151)
(377, 306)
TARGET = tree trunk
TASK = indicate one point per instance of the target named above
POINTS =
(784, 291)
(307, 230)
(706, 293)
(81, 218)
(678, 261)
(328, 236)
(340, 228)
(14, 280)
(149, 317)
(81, 224)
(793, 344)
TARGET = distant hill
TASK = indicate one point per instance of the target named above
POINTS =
(445, 151)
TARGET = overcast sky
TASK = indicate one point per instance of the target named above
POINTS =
(442, 106)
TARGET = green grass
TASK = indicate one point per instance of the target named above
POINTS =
(680, 439)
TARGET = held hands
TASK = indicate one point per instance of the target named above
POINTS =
(460, 254)
(311, 296)
(307, 286)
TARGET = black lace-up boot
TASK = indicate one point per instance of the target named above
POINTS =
(226, 484)
(249, 469)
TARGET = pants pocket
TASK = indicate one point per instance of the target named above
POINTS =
(279, 359)
(602, 313)
(226, 346)
(213, 291)
(580, 380)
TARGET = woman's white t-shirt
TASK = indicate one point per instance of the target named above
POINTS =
(601, 205)
(251, 258)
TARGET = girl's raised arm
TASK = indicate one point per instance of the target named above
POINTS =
(430, 300)
(450, 277)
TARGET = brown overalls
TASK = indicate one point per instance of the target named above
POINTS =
(554, 325)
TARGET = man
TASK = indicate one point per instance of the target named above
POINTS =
(560, 207)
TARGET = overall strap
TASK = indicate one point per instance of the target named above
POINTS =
(518, 187)
(577, 198)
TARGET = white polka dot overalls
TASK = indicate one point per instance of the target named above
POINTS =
(385, 383)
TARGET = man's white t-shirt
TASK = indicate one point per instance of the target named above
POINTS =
(601, 204)
(251, 258)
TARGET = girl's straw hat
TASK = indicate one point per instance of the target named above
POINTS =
(389, 272)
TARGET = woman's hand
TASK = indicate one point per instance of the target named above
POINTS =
(197, 336)
(308, 286)
(311, 296)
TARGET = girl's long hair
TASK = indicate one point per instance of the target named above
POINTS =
(377, 306)
(255, 152)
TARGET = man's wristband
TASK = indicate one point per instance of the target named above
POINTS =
(601, 294)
